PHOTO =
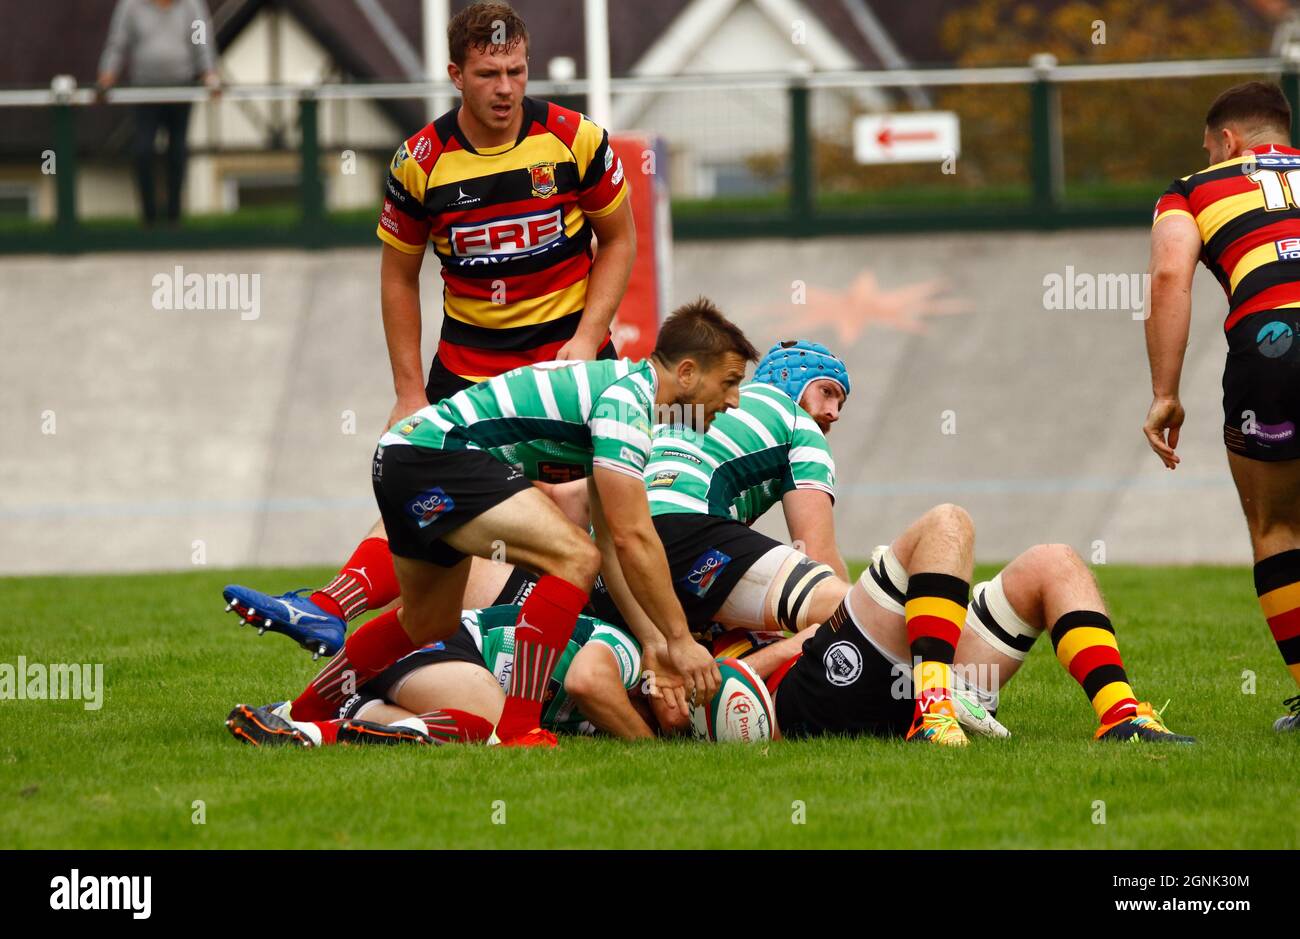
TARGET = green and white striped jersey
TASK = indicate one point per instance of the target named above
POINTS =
(746, 461)
(493, 630)
(554, 421)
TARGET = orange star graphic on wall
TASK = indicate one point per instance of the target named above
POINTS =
(864, 303)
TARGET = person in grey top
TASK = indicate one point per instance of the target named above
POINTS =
(163, 42)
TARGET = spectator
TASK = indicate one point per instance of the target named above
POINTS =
(165, 45)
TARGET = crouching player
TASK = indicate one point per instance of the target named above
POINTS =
(852, 675)
(706, 489)
(454, 691)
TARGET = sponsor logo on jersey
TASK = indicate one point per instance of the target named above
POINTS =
(683, 455)
(1288, 249)
(429, 506)
(504, 238)
(635, 457)
(609, 157)
(1276, 159)
(618, 174)
(548, 472)
(843, 663)
(664, 479)
(543, 178)
(1275, 340)
(422, 149)
(464, 198)
(408, 427)
(377, 465)
(705, 571)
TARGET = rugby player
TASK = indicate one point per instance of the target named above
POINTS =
(706, 489)
(454, 481)
(1241, 217)
(852, 675)
(511, 192)
(454, 691)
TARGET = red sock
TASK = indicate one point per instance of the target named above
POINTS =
(366, 653)
(545, 623)
(329, 731)
(366, 582)
(451, 726)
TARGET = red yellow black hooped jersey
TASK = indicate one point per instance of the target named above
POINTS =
(1248, 212)
(511, 227)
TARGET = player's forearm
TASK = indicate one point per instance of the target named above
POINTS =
(400, 302)
(613, 714)
(642, 559)
(825, 551)
(606, 284)
(641, 626)
(1167, 328)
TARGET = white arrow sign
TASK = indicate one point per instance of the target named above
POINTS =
(912, 137)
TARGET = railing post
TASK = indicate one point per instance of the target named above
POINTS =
(801, 157)
(1046, 166)
(310, 190)
(65, 159)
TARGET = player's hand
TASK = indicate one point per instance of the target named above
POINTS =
(697, 665)
(578, 349)
(666, 684)
(1166, 414)
(405, 407)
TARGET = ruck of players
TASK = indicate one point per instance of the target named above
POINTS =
(564, 540)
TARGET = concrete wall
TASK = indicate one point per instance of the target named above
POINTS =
(183, 435)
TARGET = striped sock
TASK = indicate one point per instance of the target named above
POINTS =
(935, 611)
(1277, 583)
(1085, 646)
(366, 582)
(367, 652)
(542, 632)
(451, 726)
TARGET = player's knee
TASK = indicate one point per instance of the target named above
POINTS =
(953, 519)
(578, 559)
(1054, 558)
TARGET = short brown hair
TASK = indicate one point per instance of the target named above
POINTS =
(483, 25)
(698, 330)
(1251, 103)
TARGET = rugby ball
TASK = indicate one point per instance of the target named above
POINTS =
(741, 711)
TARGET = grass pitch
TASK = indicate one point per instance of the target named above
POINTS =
(156, 759)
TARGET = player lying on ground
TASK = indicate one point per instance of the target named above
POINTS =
(453, 481)
(852, 675)
(454, 691)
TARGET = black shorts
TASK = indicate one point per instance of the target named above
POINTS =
(460, 647)
(443, 382)
(425, 494)
(843, 685)
(1261, 386)
(707, 557)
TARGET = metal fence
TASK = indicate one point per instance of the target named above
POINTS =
(1043, 146)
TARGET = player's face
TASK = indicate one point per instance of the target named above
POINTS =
(715, 388)
(492, 84)
(823, 400)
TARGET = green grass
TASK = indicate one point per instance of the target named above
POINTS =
(126, 776)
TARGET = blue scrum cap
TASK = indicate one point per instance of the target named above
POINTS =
(793, 364)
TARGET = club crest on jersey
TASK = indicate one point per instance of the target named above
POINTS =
(429, 506)
(400, 157)
(543, 178)
(705, 571)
